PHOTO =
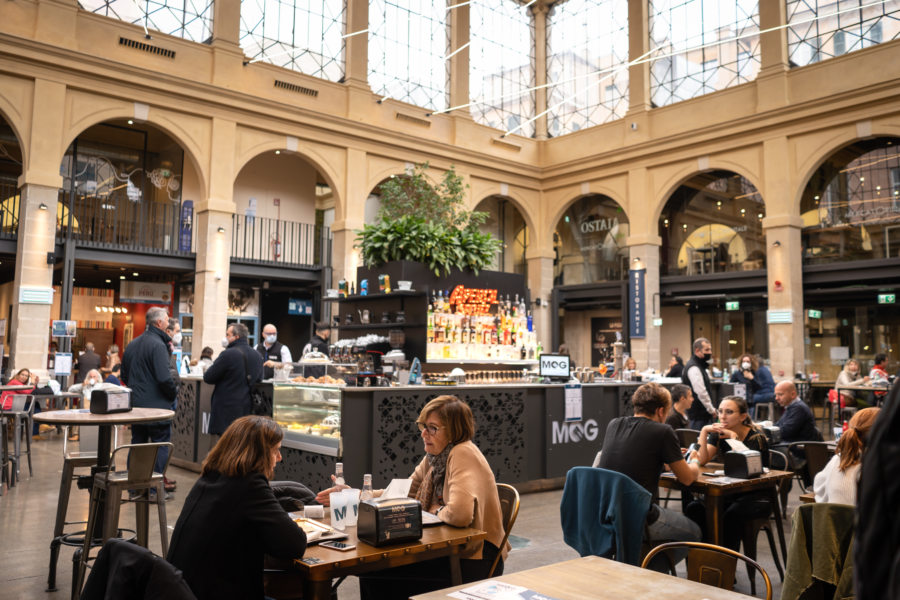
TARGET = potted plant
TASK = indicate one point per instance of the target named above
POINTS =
(423, 221)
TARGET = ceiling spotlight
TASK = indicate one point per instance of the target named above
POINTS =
(130, 122)
(135, 273)
(121, 277)
(97, 308)
(278, 152)
(109, 281)
(124, 310)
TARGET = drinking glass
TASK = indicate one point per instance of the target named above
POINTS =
(338, 510)
(352, 498)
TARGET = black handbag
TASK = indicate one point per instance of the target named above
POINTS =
(258, 404)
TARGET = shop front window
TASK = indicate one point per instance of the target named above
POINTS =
(589, 242)
(732, 333)
(506, 224)
(851, 205)
(837, 333)
(713, 224)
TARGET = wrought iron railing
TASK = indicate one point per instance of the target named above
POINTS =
(9, 208)
(273, 241)
(119, 223)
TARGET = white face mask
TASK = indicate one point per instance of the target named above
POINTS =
(745, 365)
(176, 339)
(270, 339)
(225, 342)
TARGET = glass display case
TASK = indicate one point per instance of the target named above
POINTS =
(310, 416)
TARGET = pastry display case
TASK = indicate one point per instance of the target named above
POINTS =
(310, 416)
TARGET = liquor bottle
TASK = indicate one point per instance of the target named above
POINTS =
(530, 321)
(366, 493)
(352, 288)
(339, 473)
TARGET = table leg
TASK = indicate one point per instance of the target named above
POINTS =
(455, 572)
(774, 492)
(714, 518)
(316, 589)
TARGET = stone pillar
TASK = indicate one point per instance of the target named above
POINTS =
(344, 257)
(785, 286)
(773, 53)
(459, 62)
(349, 217)
(53, 24)
(356, 49)
(211, 277)
(540, 283)
(228, 58)
(30, 325)
(638, 47)
(646, 351)
(539, 13)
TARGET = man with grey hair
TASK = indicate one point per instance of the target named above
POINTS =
(695, 375)
(87, 361)
(234, 373)
(145, 369)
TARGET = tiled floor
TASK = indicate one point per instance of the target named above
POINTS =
(27, 512)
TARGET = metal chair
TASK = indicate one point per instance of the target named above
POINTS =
(780, 462)
(22, 413)
(108, 487)
(710, 564)
(749, 538)
(686, 437)
(4, 453)
(817, 456)
(509, 507)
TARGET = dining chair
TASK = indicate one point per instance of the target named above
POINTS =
(710, 564)
(817, 456)
(686, 437)
(22, 413)
(509, 507)
(779, 461)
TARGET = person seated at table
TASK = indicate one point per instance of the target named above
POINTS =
(455, 482)
(879, 375)
(641, 446)
(113, 376)
(837, 482)
(231, 519)
(25, 377)
(682, 398)
(734, 424)
(851, 375)
(758, 379)
(676, 366)
(797, 424)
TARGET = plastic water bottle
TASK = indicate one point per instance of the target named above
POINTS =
(339, 474)
(366, 493)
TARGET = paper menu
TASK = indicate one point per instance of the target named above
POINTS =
(397, 488)
(736, 445)
(498, 590)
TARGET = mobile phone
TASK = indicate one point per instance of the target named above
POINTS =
(691, 448)
(340, 546)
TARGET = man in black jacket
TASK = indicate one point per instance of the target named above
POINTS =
(87, 361)
(145, 369)
(702, 412)
(233, 373)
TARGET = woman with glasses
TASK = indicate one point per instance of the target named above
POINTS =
(734, 424)
(455, 482)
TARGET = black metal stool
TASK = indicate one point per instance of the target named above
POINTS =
(107, 491)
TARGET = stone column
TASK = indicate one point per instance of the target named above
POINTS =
(356, 49)
(540, 282)
(785, 285)
(646, 350)
(228, 58)
(771, 82)
(539, 13)
(459, 62)
(30, 325)
(638, 47)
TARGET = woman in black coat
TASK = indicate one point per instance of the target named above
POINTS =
(231, 518)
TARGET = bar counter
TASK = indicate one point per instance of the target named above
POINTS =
(520, 428)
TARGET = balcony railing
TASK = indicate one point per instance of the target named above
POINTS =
(120, 224)
(9, 208)
(277, 242)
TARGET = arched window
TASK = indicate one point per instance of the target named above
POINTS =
(507, 224)
(711, 224)
(589, 242)
(851, 205)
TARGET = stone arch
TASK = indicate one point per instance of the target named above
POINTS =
(377, 177)
(595, 191)
(843, 138)
(679, 178)
(518, 202)
(168, 126)
(6, 110)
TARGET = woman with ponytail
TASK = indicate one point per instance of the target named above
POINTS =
(734, 424)
(837, 482)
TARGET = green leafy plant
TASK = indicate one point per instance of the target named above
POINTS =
(428, 223)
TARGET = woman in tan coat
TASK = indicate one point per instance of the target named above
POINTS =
(455, 482)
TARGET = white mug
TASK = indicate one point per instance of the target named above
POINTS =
(351, 497)
(339, 510)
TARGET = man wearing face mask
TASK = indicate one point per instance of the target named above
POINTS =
(234, 373)
(273, 352)
(174, 331)
(695, 375)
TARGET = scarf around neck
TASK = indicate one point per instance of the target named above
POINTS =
(431, 492)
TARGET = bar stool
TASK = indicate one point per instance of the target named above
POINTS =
(107, 489)
(769, 408)
(22, 412)
(85, 456)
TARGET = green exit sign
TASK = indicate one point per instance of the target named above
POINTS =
(814, 314)
(733, 305)
(887, 298)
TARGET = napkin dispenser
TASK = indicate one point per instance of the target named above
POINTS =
(773, 434)
(743, 464)
(384, 521)
(104, 402)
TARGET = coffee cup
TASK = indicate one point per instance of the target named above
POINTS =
(404, 285)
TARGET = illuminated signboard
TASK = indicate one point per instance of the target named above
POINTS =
(473, 301)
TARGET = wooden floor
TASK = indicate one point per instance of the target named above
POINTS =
(27, 512)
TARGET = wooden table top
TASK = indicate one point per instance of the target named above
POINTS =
(363, 557)
(863, 387)
(14, 387)
(721, 485)
(84, 416)
(595, 578)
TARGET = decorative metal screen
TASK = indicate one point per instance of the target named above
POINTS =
(302, 35)
(701, 46)
(501, 66)
(587, 58)
(188, 19)
(408, 44)
(821, 29)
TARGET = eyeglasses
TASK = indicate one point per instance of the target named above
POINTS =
(726, 411)
(431, 429)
